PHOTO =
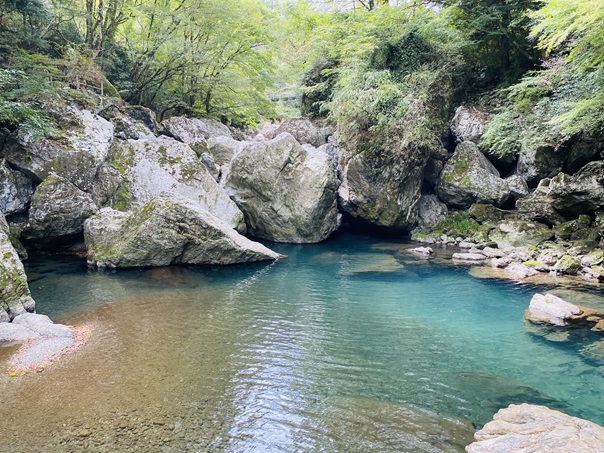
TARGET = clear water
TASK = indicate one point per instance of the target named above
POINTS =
(349, 345)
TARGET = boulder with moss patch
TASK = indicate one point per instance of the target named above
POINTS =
(15, 297)
(520, 233)
(167, 230)
(581, 193)
(139, 170)
(468, 177)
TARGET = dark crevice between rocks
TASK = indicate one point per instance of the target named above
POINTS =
(65, 245)
(362, 226)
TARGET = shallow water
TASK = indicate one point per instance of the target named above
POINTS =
(348, 346)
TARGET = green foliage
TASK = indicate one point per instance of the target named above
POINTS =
(456, 224)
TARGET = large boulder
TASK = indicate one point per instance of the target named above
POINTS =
(538, 205)
(16, 190)
(540, 161)
(550, 309)
(139, 170)
(530, 428)
(15, 297)
(304, 131)
(287, 191)
(167, 230)
(131, 122)
(581, 193)
(383, 188)
(194, 131)
(58, 210)
(520, 233)
(468, 177)
(76, 155)
(468, 124)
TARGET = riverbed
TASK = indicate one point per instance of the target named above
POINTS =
(351, 345)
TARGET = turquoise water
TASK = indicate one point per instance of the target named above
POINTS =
(339, 347)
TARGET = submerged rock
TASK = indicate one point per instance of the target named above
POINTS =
(15, 297)
(468, 177)
(550, 309)
(531, 428)
(286, 191)
(167, 230)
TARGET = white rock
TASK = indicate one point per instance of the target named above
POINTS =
(550, 309)
(42, 325)
(469, 256)
(521, 271)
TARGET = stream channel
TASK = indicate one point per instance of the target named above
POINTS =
(350, 345)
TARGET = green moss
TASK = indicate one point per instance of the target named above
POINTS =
(122, 159)
(122, 199)
(533, 263)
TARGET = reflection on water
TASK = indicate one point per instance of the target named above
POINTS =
(342, 347)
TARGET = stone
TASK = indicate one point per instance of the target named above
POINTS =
(15, 333)
(518, 186)
(304, 131)
(580, 151)
(519, 233)
(468, 177)
(568, 265)
(223, 149)
(531, 429)
(491, 252)
(143, 115)
(139, 170)
(43, 326)
(167, 230)
(268, 130)
(485, 213)
(131, 122)
(539, 162)
(469, 256)
(75, 156)
(16, 190)
(538, 205)
(383, 189)
(550, 309)
(422, 251)
(594, 352)
(468, 124)
(593, 258)
(15, 297)
(194, 131)
(501, 262)
(58, 211)
(286, 191)
(581, 193)
(434, 168)
(430, 211)
(521, 270)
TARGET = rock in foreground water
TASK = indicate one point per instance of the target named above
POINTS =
(529, 428)
(167, 230)
(550, 309)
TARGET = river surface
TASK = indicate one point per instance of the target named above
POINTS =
(346, 346)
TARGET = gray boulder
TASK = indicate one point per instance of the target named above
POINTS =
(529, 428)
(304, 131)
(518, 186)
(223, 149)
(58, 210)
(538, 205)
(468, 124)
(550, 309)
(167, 230)
(15, 297)
(16, 190)
(468, 177)
(131, 122)
(75, 156)
(194, 131)
(519, 233)
(580, 193)
(430, 211)
(14, 333)
(538, 162)
(139, 170)
(521, 271)
(287, 191)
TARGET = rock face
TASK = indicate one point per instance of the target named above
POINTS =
(468, 177)
(430, 211)
(15, 297)
(75, 157)
(303, 131)
(58, 210)
(140, 170)
(286, 191)
(16, 190)
(550, 309)
(519, 233)
(530, 429)
(580, 193)
(538, 205)
(167, 230)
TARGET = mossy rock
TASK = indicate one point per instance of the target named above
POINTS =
(485, 213)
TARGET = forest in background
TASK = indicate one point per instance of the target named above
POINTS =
(385, 75)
